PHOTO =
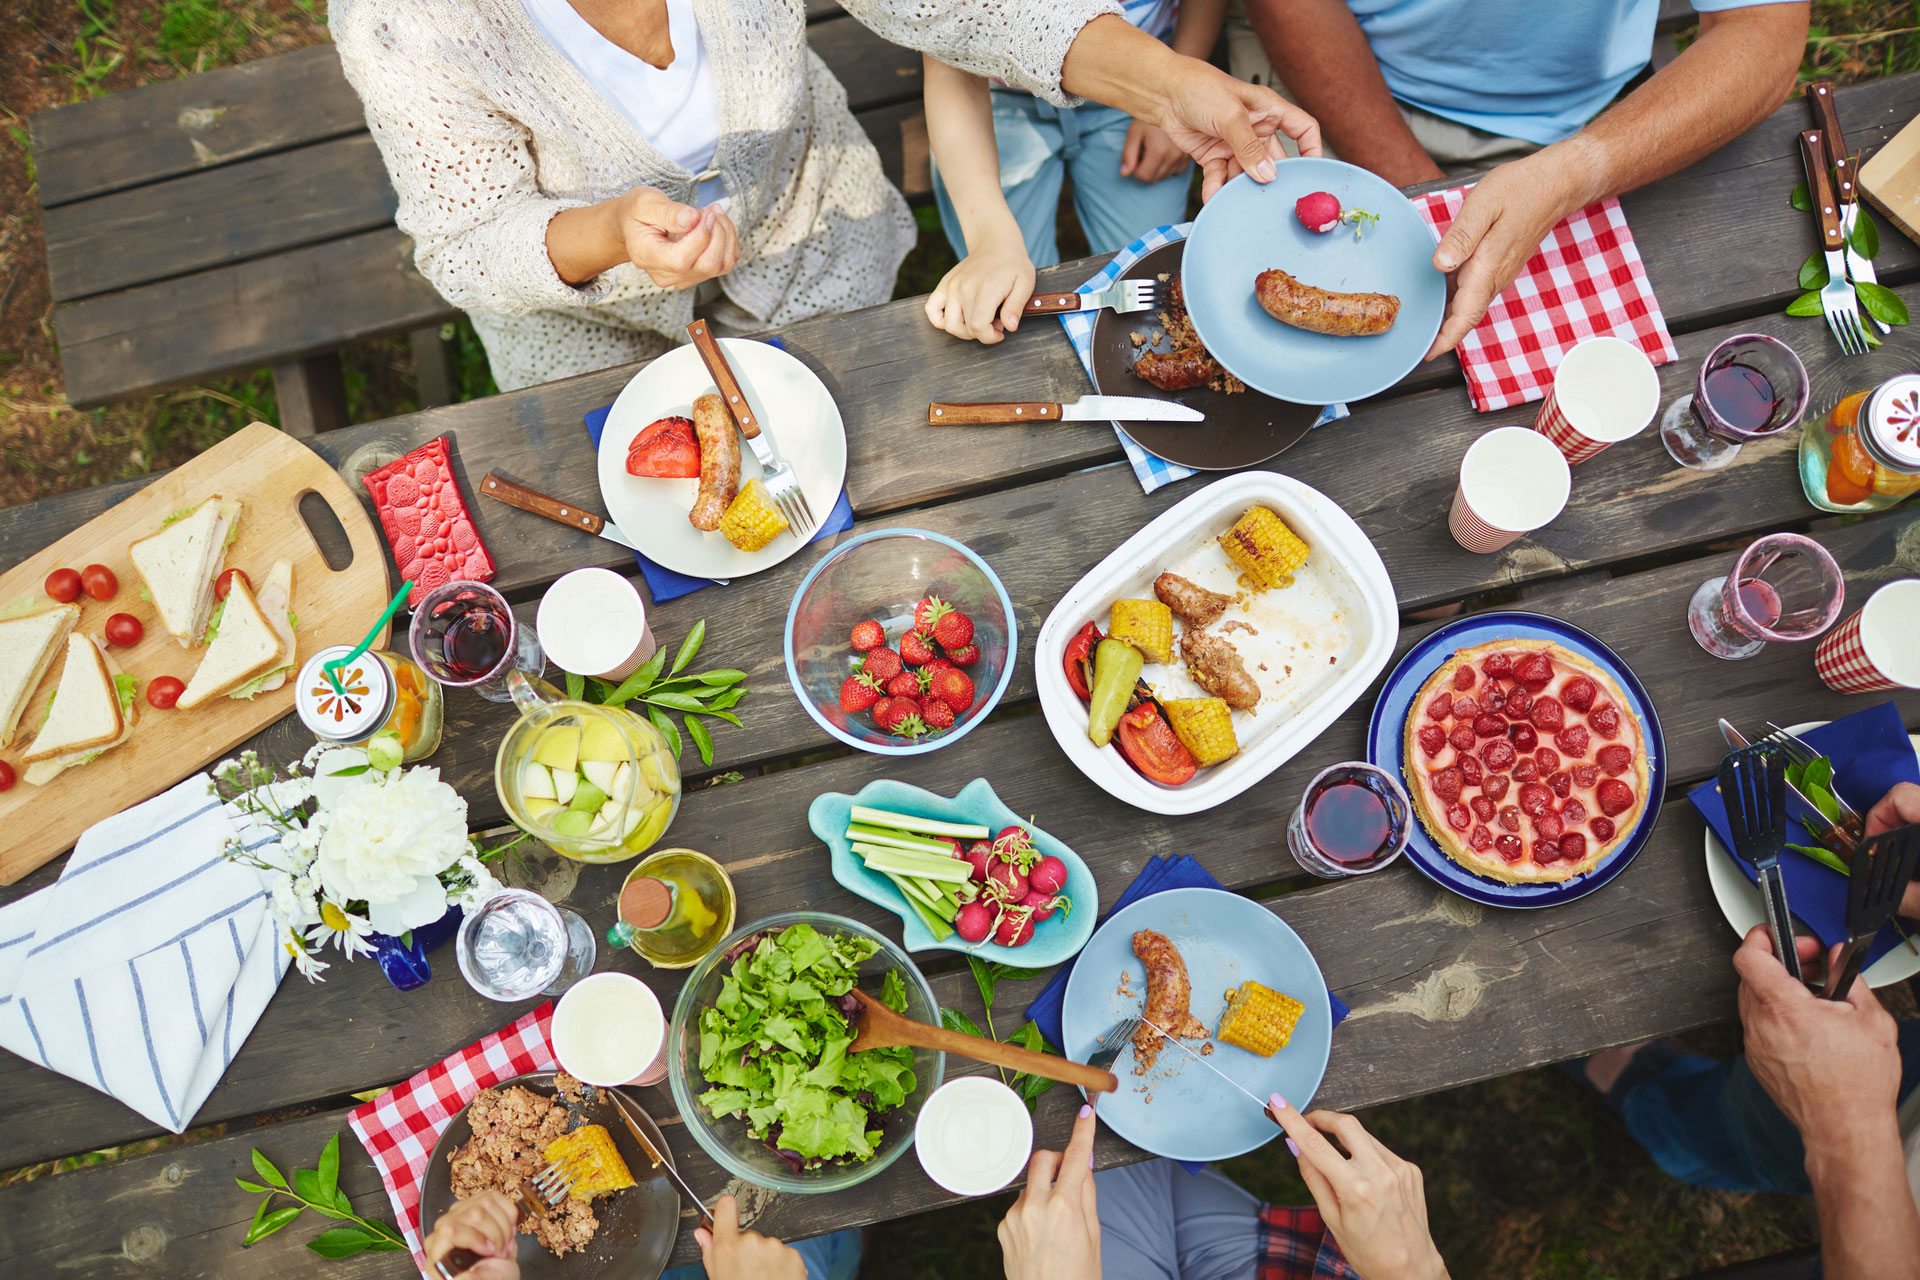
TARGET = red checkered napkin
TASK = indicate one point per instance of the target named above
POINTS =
(399, 1127)
(1587, 281)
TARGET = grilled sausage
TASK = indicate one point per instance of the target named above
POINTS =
(1305, 306)
(1216, 667)
(1168, 993)
(1175, 370)
(1192, 603)
(719, 461)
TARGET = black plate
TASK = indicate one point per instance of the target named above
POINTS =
(637, 1226)
(1240, 430)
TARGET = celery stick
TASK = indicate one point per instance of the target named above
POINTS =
(939, 928)
(899, 840)
(942, 905)
(923, 826)
(892, 861)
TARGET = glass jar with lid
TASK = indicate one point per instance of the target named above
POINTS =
(1865, 454)
(379, 692)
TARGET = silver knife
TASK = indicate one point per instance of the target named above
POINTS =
(660, 1160)
(1174, 1041)
(566, 513)
(1085, 409)
(1846, 190)
(1822, 828)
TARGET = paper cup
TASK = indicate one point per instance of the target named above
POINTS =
(1512, 481)
(592, 622)
(973, 1136)
(1877, 650)
(608, 1030)
(1604, 391)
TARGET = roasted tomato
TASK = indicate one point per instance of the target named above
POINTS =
(1079, 657)
(667, 448)
(1150, 745)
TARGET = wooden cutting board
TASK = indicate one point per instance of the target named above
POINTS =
(270, 473)
(1890, 179)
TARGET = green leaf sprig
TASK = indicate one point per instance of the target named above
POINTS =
(662, 689)
(987, 975)
(317, 1189)
(1878, 301)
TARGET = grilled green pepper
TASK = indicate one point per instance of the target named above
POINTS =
(1116, 665)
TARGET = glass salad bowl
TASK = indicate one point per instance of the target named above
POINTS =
(726, 1138)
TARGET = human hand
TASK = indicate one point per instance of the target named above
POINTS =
(1897, 808)
(982, 296)
(677, 245)
(1373, 1202)
(728, 1253)
(484, 1225)
(1148, 154)
(1229, 126)
(1052, 1231)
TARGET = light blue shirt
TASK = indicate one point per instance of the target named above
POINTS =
(1532, 69)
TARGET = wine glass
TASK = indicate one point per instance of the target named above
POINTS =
(517, 945)
(1748, 388)
(1783, 587)
(464, 635)
(1352, 819)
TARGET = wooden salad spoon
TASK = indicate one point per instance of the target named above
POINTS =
(882, 1028)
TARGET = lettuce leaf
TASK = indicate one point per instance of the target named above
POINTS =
(127, 687)
(213, 620)
(252, 687)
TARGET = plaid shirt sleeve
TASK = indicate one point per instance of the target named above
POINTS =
(1295, 1245)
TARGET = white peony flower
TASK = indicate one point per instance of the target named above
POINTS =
(387, 838)
(329, 787)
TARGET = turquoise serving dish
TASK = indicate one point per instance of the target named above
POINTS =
(1054, 941)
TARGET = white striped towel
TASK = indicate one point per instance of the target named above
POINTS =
(142, 969)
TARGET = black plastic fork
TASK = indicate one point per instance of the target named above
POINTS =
(1882, 867)
(1753, 784)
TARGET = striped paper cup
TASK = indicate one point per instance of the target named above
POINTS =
(1604, 391)
(1512, 481)
(1877, 650)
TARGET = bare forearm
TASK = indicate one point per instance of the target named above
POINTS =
(1322, 57)
(1114, 62)
(1197, 28)
(584, 242)
(1869, 1228)
(960, 131)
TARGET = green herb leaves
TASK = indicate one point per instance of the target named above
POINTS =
(1876, 300)
(987, 975)
(660, 689)
(317, 1189)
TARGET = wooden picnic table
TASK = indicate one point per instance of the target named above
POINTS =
(1444, 992)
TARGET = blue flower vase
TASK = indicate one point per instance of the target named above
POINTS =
(406, 965)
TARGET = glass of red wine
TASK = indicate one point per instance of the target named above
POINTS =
(1354, 818)
(1783, 587)
(1748, 388)
(466, 637)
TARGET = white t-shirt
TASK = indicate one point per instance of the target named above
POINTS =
(675, 108)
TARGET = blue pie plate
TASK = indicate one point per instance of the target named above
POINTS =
(1386, 738)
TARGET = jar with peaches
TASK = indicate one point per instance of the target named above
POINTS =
(1865, 454)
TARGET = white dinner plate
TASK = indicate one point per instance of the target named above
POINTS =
(1741, 903)
(797, 413)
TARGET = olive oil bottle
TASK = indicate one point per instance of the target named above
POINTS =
(674, 908)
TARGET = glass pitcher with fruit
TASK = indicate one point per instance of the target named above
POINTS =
(594, 783)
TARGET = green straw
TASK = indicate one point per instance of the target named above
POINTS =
(379, 628)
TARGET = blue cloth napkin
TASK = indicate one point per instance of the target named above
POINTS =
(663, 583)
(1871, 752)
(1151, 470)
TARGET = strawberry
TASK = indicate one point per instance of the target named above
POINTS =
(937, 714)
(1489, 725)
(1573, 846)
(1535, 671)
(1447, 783)
(1573, 740)
(1602, 828)
(1548, 826)
(1535, 799)
(1562, 784)
(965, 656)
(1497, 755)
(1496, 787)
(881, 664)
(1545, 851)
(1519, 701)
(868, 635)
(857, 693)
(1432, 738)
(1509, 818)
(1573, 813)
(1615, 797)
(1463, 679)
(928, 612)
(1497, 665)
(953, 631)
(882, 710)
(1585, 775)
(939, 664)
(1509, 847)
(1466, 707)
(1547, 758)
(1524, 738)
(916, 649)
(1605, 720)
(911, 727)
(1579, 694)
(1547, 714)
(953, 687)
(1614, 758)
(1461, 737)
(890, 713)
(1441, 707)
(904, 685)
(1458, 816)
(1524, 769)
(1483, 808)
(1470, 769)
(1479, 838)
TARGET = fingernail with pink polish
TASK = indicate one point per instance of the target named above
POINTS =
(1277, 1102)
(1086, 1109)
(1294, 1147)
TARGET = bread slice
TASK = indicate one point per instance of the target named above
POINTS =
(276, 601)
(28, 646)
(87, 716)
(180, 562)
(246, 648)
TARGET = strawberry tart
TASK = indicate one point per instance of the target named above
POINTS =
(1525, 762)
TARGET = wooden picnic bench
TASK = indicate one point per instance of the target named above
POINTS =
(1444, 992)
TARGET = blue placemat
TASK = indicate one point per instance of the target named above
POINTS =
(663, 583)
(1871, 752)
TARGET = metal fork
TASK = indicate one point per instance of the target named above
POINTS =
(533, 1197)
(1881, 870)
(1837, 300)
(1110, 1046)
(1753, 785)
(1121, 296)
(1799, 753)
(783, 489)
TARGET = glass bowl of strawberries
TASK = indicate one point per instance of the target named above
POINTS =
(899, 641)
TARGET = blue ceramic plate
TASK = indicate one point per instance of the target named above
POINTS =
(1385, 742)
(1178, 1109)
(1054, 941)
(1247, 228)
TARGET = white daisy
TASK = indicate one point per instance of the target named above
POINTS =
(346, 930)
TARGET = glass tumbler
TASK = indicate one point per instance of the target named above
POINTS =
(1748, 388)
(465, 636)
(1783, 587)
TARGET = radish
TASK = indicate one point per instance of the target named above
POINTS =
(979, 856)
(1016, 928)
(1048, 876)
(1005, 882)
(1015, 844)
(1318, 211)
(1043, 904)
(954, 847)
(974, 922)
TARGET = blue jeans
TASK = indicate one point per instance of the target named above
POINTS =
(828, 1257)
(1710, 1123)
(1039, 145)
(1159, 1222)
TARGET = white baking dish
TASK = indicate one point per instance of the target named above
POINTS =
(1322, 640)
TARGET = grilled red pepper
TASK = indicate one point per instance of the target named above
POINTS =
(1079, 659)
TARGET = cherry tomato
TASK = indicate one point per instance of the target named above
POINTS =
(6, 776)
(124, 629)
(224, 583)
(99, 581)
(164, 691)
(64, 585)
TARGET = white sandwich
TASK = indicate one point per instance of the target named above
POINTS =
(247, 649)
(92, 712)
(28, 647)
(181, 561)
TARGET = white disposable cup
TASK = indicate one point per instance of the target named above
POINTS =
(1877, 650)
(592, 622)
(1513, 480)
(609, 1030)
(973, 1136)
(1604, 391)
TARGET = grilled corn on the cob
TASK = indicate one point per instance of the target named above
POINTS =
(1266, 550)
(1147, 625)
(1259, 1019)
(593, 1161)
(1204, 726)
(751, 520)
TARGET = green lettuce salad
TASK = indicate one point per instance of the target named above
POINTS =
(773, 1049)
